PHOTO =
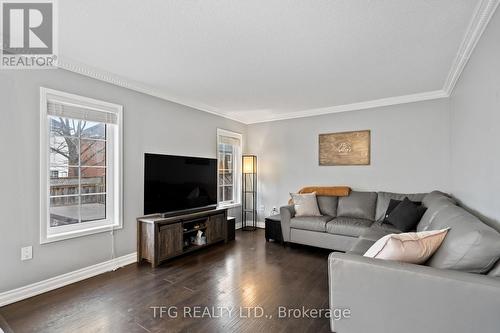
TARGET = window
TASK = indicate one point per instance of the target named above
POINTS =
(229, 167)
(80, 165)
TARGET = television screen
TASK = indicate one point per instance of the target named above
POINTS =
(176, 183)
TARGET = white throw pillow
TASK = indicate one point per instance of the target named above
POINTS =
(305, 204)
(411, 247)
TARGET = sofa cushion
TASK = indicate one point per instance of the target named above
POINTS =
(327, 205)
(433, 208)
(470, 245)
(361, 246)
(359, 205)
(495, 271)
(378, 230)
(312, 223)
(348, 226)
(383, 199)
(428, 199)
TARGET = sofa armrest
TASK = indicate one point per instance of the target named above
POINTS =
(286, 212)
(388, 296)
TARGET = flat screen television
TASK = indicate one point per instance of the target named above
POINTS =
(179, 183)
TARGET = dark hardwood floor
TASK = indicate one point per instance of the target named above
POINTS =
(244, 273)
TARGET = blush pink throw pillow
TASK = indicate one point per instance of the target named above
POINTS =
(410, 247)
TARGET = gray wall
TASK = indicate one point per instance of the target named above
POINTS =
(409, 151)
(475, 123)
(150, 125)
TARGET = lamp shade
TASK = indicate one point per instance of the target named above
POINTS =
(249, 164)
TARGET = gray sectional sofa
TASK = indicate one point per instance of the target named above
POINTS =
(457, 290)
(345, 220)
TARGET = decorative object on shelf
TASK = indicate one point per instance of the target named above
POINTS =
(345, 148)
(249, 193)
(200, 239)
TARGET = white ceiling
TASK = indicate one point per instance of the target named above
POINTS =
(268, 59)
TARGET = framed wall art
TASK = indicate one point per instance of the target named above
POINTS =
(345, 148)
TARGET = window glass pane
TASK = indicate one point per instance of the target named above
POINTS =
(225, 156)
(92, 153)
(220, 163)
(93, 130)
(64, 210)
(63, 180)
(228, 164)
(221, 194)
(93, 180)
(228, 193)
(64, 126)
(93, 207)
(77, 128)
(228, 179)
(225, 179)
(64, 150)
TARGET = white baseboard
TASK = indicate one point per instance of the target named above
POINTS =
(37, 288)
(44, 286)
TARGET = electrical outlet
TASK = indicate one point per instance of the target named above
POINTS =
(262, 208)
(27, 253)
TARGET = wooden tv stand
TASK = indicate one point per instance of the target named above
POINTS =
(160, 238)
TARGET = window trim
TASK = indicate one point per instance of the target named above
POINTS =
(237, 161)
(111, 222)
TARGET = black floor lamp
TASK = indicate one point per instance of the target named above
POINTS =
(249, 193)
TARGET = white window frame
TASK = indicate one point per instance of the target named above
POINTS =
(114, 161)
(236, 170)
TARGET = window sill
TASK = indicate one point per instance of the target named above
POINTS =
(233, 205)
(45, 239)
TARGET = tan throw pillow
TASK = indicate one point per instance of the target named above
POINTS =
(411, 247)
(305, 204)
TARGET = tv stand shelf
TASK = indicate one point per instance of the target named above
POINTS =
(160, 238)
(193, 230)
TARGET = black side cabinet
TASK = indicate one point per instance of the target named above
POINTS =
(273, 228)
(231, 227)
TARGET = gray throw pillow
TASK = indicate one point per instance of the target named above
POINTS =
(305, 204)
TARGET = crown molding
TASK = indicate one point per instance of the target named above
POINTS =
(482, 16)
(108, 77)
(436, 94)
(114, 79)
